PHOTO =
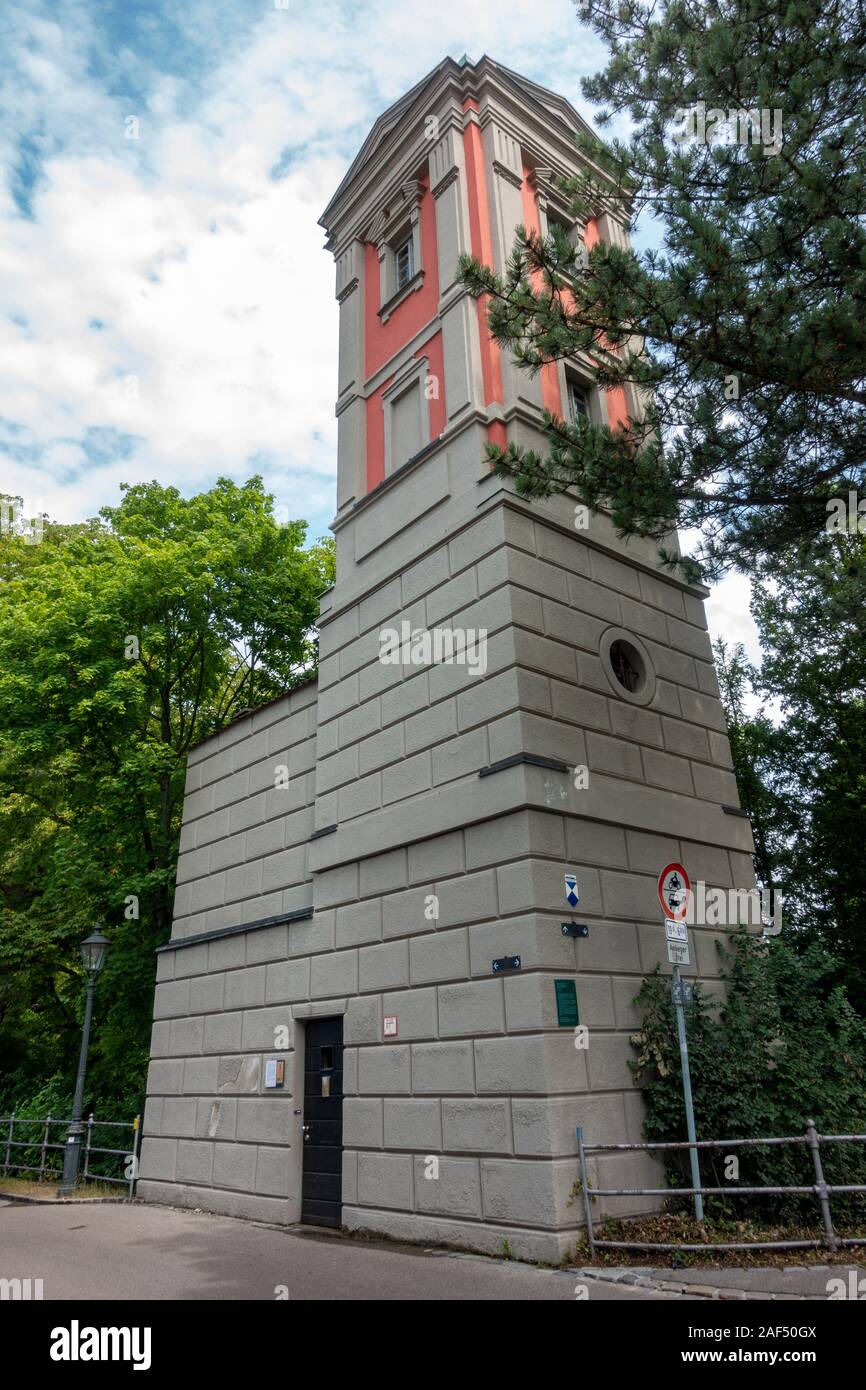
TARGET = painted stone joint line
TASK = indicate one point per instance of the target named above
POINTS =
(299, 915)
(325, 830)
(531, 758)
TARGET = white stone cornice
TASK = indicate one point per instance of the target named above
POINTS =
(446, 181)
(348, 267)
(348, 289)
(508, 174)
(445, 160)
(402, 204)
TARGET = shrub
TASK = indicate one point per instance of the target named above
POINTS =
(783, 1046)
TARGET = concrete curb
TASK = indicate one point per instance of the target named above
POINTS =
(712, 1291)
(64, 1201)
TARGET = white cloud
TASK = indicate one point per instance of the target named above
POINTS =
(728, 614)
(208, 276)
(219, 342)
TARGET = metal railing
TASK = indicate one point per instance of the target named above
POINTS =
(820, 1189)
(46, 1148)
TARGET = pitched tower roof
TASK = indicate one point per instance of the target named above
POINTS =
(466, 78)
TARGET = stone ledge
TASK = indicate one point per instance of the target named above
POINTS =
(299, 915)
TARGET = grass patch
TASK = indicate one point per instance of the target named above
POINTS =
(47, 1191)
(681, 1227)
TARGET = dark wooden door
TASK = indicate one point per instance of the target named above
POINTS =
(322, 1191)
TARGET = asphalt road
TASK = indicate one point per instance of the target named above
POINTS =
(105, 1252)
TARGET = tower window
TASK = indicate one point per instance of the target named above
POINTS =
(574, 235)
(578, 402)
(404, 263)
(406, 426)
(567, 228)
(628, 667)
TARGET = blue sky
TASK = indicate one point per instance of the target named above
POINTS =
(166, 307)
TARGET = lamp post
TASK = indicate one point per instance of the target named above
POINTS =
(93, 950)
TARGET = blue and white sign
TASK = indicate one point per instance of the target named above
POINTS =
(572, 897)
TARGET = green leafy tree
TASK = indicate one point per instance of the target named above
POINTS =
(814, 639)
(124, 641)
(745, 334)
(801, 774)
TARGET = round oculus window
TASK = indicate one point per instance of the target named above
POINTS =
(627, 666)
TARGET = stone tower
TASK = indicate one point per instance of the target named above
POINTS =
(363, 850)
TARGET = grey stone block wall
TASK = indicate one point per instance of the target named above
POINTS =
(248, 817)
(211, 1136)
(432, 872)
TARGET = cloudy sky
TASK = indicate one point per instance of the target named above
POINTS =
(166, 307)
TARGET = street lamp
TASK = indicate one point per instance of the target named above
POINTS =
(93, 950)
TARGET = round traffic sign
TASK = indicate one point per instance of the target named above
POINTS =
(674, 891)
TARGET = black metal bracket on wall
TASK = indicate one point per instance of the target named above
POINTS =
(573, 929)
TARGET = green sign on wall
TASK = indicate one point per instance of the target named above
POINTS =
(566, 1003)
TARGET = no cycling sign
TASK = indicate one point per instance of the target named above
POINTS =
(674, 889)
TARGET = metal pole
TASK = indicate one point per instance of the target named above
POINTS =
(9, 1141)
(687, 1094)
(87, 1145)
(72, 1148)
(44, 1147)
(587, 1204)
(823, 1193)
(133, 1171)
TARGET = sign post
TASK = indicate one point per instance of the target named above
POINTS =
(687, 1092)
(674, 890)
